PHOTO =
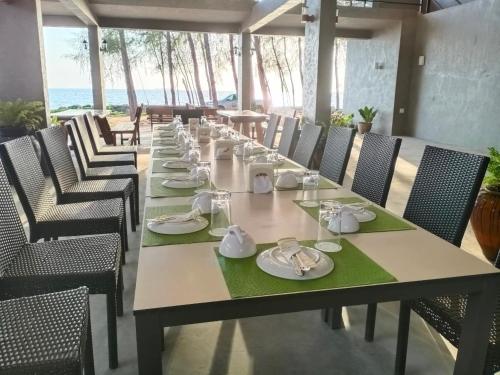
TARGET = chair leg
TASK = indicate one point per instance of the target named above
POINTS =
(119, 294)
(132, 212)
(403, 329)
(162, 339)
(371, 315)
(136, 183)
(112, 331)
(89, 351)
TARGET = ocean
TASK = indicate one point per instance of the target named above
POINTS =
(68, 97)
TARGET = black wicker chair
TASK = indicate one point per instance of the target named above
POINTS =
(102, 173)
(272, 128)
(375, 168)
(65, 177)
(46, 218)
(441, 201)
(35, 268)
(98, 148)
(336, 155)
(289, 136)
(47, 334)
(94, 160)
(309, 137)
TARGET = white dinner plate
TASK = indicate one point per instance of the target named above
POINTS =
(176, 164)
(167, 142)
(170, 151)
(179, 228)
(178, 184)
(271, 262)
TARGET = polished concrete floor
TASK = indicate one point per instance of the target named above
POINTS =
(298, 343)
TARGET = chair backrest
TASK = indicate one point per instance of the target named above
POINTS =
(12, 236)
(58, 157)
(375, 168)
(309, 137)
(288, 136)
(32, 187)
(444, 192)
(159, 113)
(272, 127)
(91, 126)
(336, 155)
(83, 135)
(105, 129)
(77, 147)
(138, 114)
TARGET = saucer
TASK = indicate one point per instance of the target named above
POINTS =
(176, 164)
(192, 226)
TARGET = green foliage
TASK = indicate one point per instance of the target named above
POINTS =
(492, 179)
(21, 113)
(368, 113)
(339, 118)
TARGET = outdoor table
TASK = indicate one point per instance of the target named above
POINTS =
(70, 113)
(243, 119)
(183, 283)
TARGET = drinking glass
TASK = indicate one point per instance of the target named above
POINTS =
(310, 186)
(325, 241)
(194, 153)
(203, 171)
(221, 213)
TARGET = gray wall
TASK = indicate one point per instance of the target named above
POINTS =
(365, 85)
(456, 96)
(22, 61)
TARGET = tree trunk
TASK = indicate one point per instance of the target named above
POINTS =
(206, 72)
(264, 85)
(211, 77)
(195, 70)
(132, 98)
(336, 72)
(289, 72)
(162, 72)
(284, 88)
(171, 68)
(301, 68)
(233, 63)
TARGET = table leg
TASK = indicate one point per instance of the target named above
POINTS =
(475, 331)
(148, 336)
(259, 131)
(245, 129)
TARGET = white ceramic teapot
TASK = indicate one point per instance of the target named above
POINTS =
(237, 243)
(347, 224)
(203, 202)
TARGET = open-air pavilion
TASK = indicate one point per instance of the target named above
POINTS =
(379, 219)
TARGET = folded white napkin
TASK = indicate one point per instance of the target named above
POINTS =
(294, 254)
(177, 218)
(287, 179)
(262, 184)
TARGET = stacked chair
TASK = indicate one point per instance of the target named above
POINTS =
(100, 173)
(68, 187)
(33, 268)
(289, 136)
(95, 141)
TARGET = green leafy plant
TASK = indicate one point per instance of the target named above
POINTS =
(339, 118)
(492, 178)
(368, 113)
(21, 113)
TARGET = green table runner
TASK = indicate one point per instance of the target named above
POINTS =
(289, 165)
(154, 239)
(352, 268)
(158, 167)
(384, 222)
(158, 190)
(159, 142)
(323, 184)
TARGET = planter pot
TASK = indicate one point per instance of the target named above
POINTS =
(485, 222)
(364, 127)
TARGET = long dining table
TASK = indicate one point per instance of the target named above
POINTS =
(183, 283)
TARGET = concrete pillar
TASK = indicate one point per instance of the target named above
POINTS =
(96, 67)
(245, 76)
(22, 57)
(318, 64)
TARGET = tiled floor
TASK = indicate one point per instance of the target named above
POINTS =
(297, 343)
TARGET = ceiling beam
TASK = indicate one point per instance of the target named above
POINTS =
(340, 32)
(229, 5)
(81, 9)
(62, 21)
(265, 11)
(157, 24)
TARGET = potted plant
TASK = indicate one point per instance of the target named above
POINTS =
(485, 217)
(339, 118)
(367, 114)
(19, 118)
